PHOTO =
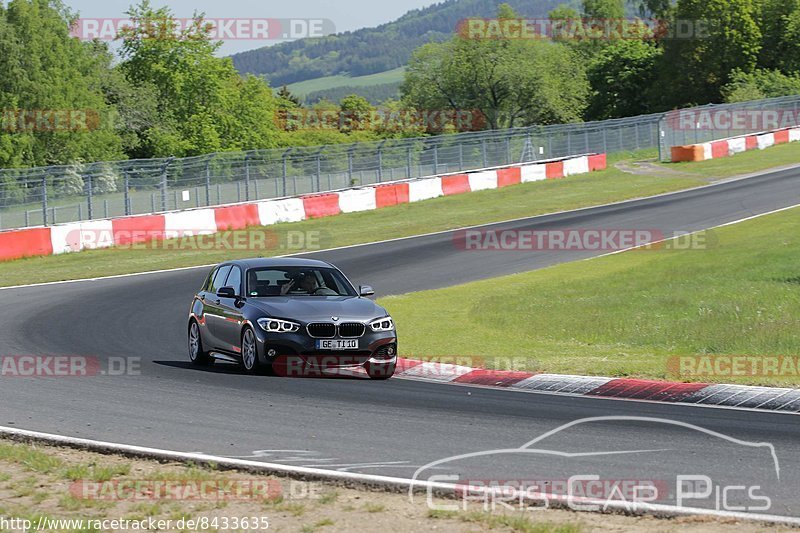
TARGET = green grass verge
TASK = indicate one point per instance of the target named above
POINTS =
(439, 214)
(626, 314)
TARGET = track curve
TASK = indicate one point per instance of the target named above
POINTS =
(389, 428)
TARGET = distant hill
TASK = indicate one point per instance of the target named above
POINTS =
(372, 50)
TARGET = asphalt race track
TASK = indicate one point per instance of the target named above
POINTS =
(390, 428)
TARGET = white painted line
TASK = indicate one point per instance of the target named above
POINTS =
(365, 480)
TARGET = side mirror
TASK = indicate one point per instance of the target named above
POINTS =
(226, 292)
(366, 290)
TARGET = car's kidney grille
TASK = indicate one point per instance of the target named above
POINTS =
(352, 330)
(322, 330)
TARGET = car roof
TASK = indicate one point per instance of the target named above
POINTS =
(262, 262)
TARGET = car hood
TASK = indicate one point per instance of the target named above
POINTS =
(317, 308)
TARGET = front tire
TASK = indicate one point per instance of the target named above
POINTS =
(250, 360)
(197, 354)
(380, 371)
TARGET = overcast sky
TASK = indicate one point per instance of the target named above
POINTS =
(345, 15)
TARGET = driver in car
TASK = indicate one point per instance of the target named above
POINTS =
(305, 282)
(309, 283)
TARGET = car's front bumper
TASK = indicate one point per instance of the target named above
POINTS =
(375, 348)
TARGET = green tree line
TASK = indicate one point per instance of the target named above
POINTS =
(165, 94)
(725, 51)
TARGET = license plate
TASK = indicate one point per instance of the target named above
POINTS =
(337, 345)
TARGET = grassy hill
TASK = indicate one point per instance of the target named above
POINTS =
(383, 49)
(304, 88)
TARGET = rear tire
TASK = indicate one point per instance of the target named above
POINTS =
(197, 355)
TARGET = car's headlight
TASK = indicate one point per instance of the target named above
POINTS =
(382, 324)
(273, 325)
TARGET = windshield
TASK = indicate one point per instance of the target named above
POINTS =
(297, 281)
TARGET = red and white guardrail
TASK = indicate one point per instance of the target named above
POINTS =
(733, 145)
(77, 236)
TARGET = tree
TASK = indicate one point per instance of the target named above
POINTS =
(202, 103)
(604, 9)
(287, 98)
(510, 82)
(760, 84)
(45, 70)
(781, 29)
(621, 77)
(356, 113)
(695, 69)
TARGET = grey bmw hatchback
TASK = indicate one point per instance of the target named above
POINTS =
(293, 317)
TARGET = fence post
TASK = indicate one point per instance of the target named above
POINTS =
(409, 171)
(164, 184)
(435, 159)
(285, 169)
(460, 157)
(127, 195)
(247, 177)
(208, 181)
(569, 142)
(380, 162)
(508, 150)
(483, 150)
(44, 198)
(349, 166)
(89, 199)
(319, 171)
